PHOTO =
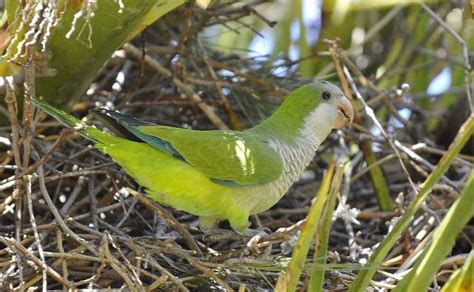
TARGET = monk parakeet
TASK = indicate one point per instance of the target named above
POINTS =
(221, 174)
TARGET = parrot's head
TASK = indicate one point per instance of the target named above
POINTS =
(319, 104)
(311, 111)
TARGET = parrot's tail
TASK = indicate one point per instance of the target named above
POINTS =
(69, 121)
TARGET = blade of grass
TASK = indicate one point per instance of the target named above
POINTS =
(322, 237)
(288, 281)
(363, 277)
(462, 280)
(377, 178)
(444, 237)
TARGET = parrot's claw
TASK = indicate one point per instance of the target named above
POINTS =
(255, 235)
(252, 244)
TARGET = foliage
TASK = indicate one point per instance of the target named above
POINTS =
(75, 39)
(72, 219)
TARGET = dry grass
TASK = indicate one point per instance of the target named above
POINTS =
(71, 218)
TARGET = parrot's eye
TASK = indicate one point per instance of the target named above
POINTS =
(326, 95)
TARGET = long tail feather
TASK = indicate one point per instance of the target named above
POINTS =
(69, 121)
(115, 121)
(126, 126)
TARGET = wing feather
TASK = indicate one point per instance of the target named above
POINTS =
(227, 157)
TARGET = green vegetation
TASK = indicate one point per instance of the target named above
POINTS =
(394, 202)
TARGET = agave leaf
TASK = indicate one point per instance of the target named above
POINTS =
(78, 59)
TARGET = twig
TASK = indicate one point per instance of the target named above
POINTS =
(8, 200)
(370, 215)
(10, 100)
(39, 246)
(198, 265)
(169, 219)
(93, 202)
(282, 234)
(343, 209)
(186, 30)
(208, 110)
(377, 177)
(58, 217)
(71, 255)
(370, 112)
(417, 158)
(63, 136)
(28, 107)
(248, 76)
(230, 111)
(78, 217)
(252, 10)
(59, 241)
(71, 199)
(15, 246)
(367, 169)
(360, 76)
(164, 271)
(116, 265)
(125, 260)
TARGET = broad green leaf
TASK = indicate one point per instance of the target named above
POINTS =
(80, 44)
(78, 59)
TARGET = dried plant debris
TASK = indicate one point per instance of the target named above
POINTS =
(71, 218)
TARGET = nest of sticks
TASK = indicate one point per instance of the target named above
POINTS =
(79, 221)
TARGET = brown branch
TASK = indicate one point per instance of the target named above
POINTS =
(10, 100)
(202, 268)
(58, 217)
(116, 265)
(169, 219)
(15, 246)
(208, 110)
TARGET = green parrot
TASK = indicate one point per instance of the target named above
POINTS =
(221, 174)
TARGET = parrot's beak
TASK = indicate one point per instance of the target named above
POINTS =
(345, 113)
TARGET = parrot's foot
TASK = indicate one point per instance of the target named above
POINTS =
(252, 245)
(240, 224)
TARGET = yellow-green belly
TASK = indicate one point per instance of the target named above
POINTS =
(175, 183)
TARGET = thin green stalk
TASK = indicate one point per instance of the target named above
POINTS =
(322, 237)
(288, 281)
(378, 179)
(444, 237)
(363, 277)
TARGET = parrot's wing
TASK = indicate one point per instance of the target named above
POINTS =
(227, 157)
